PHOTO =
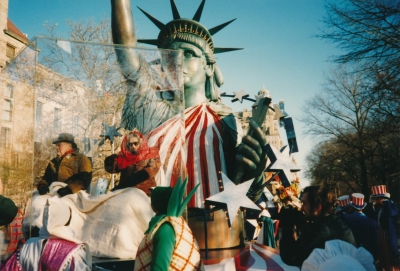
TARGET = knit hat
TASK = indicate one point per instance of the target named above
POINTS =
(379, 191)
(357, 201)
(8, 210)
(160, 197)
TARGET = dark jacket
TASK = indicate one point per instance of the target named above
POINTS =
(294, 252)
(388, 222)
(140, 175)
(365, 231)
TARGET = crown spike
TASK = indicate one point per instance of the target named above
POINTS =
(199, 11)
(218, 50)
(219, 27)
(159, 24)
(175, 11)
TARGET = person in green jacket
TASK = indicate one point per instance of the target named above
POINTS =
(169, 243)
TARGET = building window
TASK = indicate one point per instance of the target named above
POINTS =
(5, 137)
(57, 120)
(9, 93)
(10, 51)
(39, 112)
(8, 105)
(7, 110)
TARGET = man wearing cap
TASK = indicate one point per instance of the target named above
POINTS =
(386, 214)
(318, 207)
(62, 168)
(364, 228)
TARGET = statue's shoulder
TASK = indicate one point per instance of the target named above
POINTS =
(221, 109)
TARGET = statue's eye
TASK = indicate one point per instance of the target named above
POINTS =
(189, 54)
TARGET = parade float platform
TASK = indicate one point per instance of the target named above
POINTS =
(252, 256)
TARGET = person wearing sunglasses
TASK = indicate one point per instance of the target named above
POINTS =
(137, 162)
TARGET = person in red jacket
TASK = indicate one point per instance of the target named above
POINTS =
(137, 162)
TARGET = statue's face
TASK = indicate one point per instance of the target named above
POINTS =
(194, 64)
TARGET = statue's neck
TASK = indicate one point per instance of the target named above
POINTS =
(194, 96)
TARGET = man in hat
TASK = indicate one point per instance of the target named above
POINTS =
(386, 214)
(364, 228)
(318, 208)
(137, 162)
(62, 168)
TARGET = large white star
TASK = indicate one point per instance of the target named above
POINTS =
(282, 163)
(234, 196)
(240, 95)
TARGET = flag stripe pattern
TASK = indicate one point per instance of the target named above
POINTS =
(204, 156)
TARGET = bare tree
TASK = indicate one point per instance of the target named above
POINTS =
(341, 114)
(368, 30)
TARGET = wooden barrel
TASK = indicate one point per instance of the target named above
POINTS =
(219, 235)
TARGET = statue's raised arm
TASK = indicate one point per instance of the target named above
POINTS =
(123, 32)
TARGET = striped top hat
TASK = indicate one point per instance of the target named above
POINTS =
(344, 202)
(379, 191)
(357, 201)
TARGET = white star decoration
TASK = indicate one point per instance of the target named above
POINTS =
(240, 95)
(256, 227)
(234, 196)
(282, 163)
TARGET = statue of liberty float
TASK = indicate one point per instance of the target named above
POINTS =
(167, 124)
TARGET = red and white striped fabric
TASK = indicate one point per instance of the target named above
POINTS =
(255, 257)
(204, 157)
(378, 190)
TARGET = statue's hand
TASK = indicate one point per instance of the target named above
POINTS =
(251, 155)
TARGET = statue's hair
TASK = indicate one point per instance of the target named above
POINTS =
(212, 82)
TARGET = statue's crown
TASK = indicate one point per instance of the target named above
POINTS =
(189, 26)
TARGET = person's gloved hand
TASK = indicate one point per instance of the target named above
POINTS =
(43, 189)
(134, 179)
(110, 163)
(64, 191)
